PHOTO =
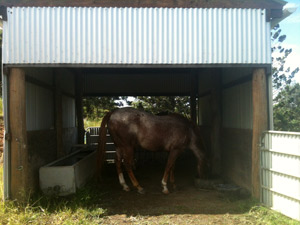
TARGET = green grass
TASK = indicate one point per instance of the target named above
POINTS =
(92, 123)
(84, 208)
(263, 215)
(81, 208)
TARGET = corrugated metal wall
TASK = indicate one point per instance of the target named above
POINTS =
(68, 111)
(280, 172)
(39, 108)
(136, 36)
(40, 100)
(236, 106)
(237, 110)
(237, 103)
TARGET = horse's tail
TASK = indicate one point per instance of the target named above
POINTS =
(102, 143)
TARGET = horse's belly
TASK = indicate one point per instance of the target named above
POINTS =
(159, 144)
(152, 144)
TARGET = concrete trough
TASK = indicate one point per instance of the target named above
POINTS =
(63, 176)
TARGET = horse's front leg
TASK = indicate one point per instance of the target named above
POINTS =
(169, 168)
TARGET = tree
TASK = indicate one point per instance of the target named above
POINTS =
(157, 104)
(287, 108)
(97, 107)
(286, 93)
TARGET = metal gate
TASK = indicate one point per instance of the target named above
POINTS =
(280, 172)
(92, 139)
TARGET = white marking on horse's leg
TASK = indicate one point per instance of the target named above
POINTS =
(123, 183)
(165, 188)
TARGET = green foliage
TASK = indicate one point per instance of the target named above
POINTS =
(287, 108)
(285, 93)
(94, 108)
(97, 107)
(81, 208)
(157, 104)
(265, 216)
(281, 76)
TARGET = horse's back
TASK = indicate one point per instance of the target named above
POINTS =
(132, 127)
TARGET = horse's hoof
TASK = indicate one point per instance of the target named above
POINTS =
(126, 188)
(165, 191)
(141, 191)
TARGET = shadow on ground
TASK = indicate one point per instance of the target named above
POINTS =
(187, 199)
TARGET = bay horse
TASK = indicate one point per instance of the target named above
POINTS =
(131, 129)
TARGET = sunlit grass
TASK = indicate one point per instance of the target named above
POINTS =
(92, 123)
(86, 207)
(77, 209)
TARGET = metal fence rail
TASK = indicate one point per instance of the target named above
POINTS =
(92, 138)
(280, 172)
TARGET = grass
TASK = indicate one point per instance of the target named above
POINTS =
(92, 123)
(76, 209)
(89, 206)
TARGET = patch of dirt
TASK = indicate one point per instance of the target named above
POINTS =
(186, 205)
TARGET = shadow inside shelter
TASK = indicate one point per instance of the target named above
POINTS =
(186, 199)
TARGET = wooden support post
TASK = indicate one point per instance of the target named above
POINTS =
(260, 123)
(58, 116)
(17, 121)
(79, 108)
(216, 102)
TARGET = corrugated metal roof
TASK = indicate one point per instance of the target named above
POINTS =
(101, 36)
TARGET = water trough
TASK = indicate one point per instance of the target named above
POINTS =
(65, 175)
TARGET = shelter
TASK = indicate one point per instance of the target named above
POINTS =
(55, 52)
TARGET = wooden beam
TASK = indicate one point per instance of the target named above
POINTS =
(216, 102)
(58, 115)
(260, 123)
(238, 81)
(17, 122)
(79, 107)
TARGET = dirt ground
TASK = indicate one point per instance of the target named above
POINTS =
(186, 205)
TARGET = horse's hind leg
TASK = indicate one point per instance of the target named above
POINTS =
(120, 173)
(128, 161)
(172, 178)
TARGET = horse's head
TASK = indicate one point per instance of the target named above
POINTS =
(204, 162)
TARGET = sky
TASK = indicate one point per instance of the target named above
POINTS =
(291, 28)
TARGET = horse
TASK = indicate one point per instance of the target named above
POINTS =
(131, 129)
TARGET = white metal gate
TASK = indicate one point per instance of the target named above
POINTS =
(280, 172)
